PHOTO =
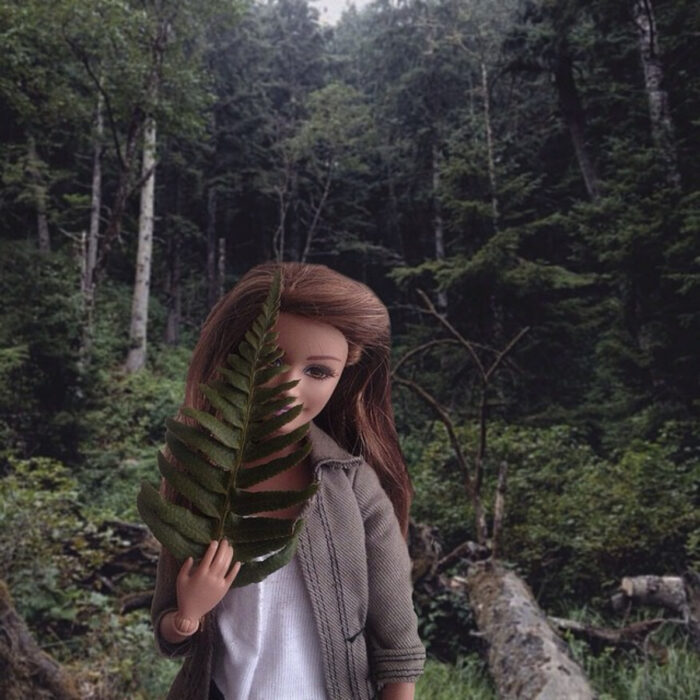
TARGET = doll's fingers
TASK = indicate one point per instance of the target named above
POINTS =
(185, 569)
(223, 557)
(209, 555)
(230, 577)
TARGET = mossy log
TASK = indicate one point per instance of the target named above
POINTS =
(527, 660)
(25, 670)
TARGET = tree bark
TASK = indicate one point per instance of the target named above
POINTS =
(96, 198)
(317, 213)
(136, 359)
(526, 658)
(174, 292)
(221, 268)
(39, 192)
(680, 594)
(114, 224)
(659, 109)
(573, 114)
(495, 208)
(87, 282)
(25, 670)
(212, 285)
(438, 225)
(666, 591)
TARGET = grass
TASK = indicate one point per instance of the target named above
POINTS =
(629, 676)
(468, 679)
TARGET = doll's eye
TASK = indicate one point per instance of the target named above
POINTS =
(319, 372)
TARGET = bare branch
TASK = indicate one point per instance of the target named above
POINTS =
(504, 353)
(85, 60)
(447, 422)
(455, 333)
(421, 348)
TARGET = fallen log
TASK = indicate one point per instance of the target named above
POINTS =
(679, 594)
(25, 670)
(527, 660)
(665, 591)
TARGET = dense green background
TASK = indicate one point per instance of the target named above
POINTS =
(370, 137)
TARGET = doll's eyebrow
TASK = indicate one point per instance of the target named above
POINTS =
(323, 357)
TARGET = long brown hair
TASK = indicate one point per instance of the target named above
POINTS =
(359, 415)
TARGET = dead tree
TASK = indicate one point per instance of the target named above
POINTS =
(526, 658)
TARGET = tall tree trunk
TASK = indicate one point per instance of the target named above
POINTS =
(121, 196)
(659, 110)
(212, 286)
(39, 195)
(394, 230)
(221, 268)
(136, 359)
(496, 307)
(438, 226)
(319, 208)
(90, 251)
(174, 291)
(573, 114)
(495, 213)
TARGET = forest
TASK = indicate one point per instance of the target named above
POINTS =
(517, 180)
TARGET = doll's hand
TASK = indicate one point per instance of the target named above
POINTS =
(200, 590)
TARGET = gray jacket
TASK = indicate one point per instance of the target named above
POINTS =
(356, 569)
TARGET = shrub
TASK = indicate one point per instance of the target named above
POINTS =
(575, 522)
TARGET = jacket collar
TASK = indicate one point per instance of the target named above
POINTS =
(325, 450)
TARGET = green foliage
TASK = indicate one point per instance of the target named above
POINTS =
(213, 479)
(575, 522)
(630, 675)
(468, 678)
(436, 480)
(138, 405)
(40, 377)
(51, 551)
(446, 624)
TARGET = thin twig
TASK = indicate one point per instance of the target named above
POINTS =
(447, 422)
(455, 333)
(421, 348)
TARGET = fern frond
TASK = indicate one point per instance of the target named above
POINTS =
(210, 455)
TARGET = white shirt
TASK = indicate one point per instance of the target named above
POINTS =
(267, 645)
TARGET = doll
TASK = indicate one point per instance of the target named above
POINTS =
(337, 621)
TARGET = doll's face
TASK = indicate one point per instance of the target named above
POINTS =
(316, 354)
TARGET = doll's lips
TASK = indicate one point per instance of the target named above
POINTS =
(281, 411)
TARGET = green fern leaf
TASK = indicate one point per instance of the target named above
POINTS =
(254, 475)
(209, 476)
(256, 571)
(211, 455)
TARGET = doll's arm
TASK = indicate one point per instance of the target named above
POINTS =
(397, 654)
(196, 592)
(398, 691)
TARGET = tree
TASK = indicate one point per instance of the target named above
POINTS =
(659, 109)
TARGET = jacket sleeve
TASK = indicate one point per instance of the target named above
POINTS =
(395, 650)
(165, 600)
